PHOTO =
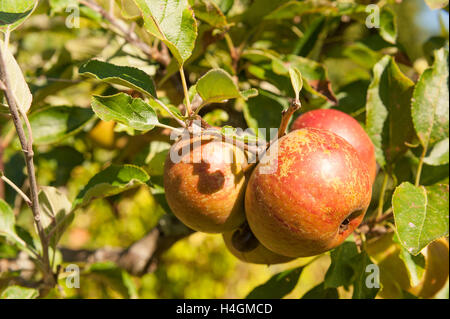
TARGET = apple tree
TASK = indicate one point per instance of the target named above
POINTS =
(96, 94)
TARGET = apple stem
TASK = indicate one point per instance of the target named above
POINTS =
(286, 116)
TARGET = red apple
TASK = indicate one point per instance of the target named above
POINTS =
(310, 196)
(345, 126)
(205, 186)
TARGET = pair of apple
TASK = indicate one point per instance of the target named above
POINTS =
(301, 202)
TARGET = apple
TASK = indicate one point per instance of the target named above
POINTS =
(307, 197)
(345, 126)
(205, 183)
(244, 246)
(103, 135)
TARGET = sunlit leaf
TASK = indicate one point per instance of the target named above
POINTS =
(18, 292)
(296, 80)
(388, 25)
(8, 227)
(210, 12)
(118, 278)
(123, 75)
(217, 86)
(173, 22)
(14, 12)
(421, 214)
(122, 108)
(439, 154)
(18, 85)
(388, 112)
(111, 181)
(55, 208)
(430, 111)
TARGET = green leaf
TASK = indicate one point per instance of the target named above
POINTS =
(122, 108)
(246, 94)
(53, 124)
(421, 215)
(430, 110)
(153, 156)
(296, 80)
(17, 292)
(217, 86)
(111, 181)
(290, 10)
(209, 12)
(388, 25)
(14, 12)
(173, 22)
(320, 292)
(278, 286)
(124, 75)
(118, 278)
(341, 271)
(58, 6)
(270, 66)
(414, 264)
(224, 5)
(234, 134)
(55, 208)
(7, 220)
(263, 113)
(439, 154)
(8, 228)
(129, 9)
(25, 236)
(437, 4)
(388, 117)
(311, 36)
(362, 55)
(7, 250)
(360, 288)
(17, 82)
(216, 117)
(258, 10)
(315, 77)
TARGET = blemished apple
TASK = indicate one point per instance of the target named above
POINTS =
(345, 126)
(315, 195)
(205, 187)
(244, 246)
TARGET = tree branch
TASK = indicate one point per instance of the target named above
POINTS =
(15, 187)
(286, 116)
(138, 259)
(27, 148)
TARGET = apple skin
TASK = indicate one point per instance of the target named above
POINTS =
(316, 195)
(258, 255)
(345, 126)
(206, 188)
